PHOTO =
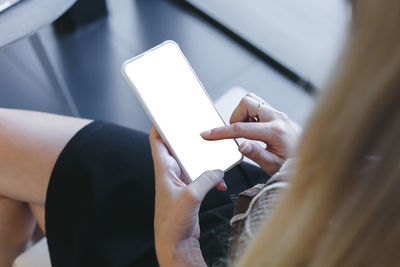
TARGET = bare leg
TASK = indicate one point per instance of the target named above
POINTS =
(30, 143)
(16, 227)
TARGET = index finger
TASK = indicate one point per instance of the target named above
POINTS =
(162, 158)
(249, 130)
(156, 144)
(159, 150)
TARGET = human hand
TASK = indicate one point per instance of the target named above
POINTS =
(176, 221)
(253, 119)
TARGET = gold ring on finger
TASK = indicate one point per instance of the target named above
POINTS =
(259, 109)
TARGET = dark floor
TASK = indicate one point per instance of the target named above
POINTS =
(90, 61)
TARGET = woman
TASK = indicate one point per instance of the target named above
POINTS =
(341, 208)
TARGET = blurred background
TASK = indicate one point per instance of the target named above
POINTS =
(281, 50)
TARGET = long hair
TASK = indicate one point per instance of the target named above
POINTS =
(343, 207)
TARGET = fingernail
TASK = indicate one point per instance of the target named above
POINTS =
(224, 185)
(245, 149)
(205, 133)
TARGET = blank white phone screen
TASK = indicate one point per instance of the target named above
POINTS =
(180, 109)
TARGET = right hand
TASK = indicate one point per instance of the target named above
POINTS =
(271, 126)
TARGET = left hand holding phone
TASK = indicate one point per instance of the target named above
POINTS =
(176, 221)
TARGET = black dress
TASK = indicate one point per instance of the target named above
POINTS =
(100, 201)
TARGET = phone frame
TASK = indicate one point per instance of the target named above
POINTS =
(150, 115)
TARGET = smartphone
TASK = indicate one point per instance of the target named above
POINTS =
(180, 109)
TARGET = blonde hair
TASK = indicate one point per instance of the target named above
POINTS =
(343, 207)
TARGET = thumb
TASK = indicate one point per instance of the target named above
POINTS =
(266, 159)
(208, 180)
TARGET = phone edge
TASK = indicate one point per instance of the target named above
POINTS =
(151, 117)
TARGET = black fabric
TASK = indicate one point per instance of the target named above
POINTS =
(100, 201)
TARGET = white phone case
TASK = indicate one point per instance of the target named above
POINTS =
(150, 115)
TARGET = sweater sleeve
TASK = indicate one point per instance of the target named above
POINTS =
(254, 206)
